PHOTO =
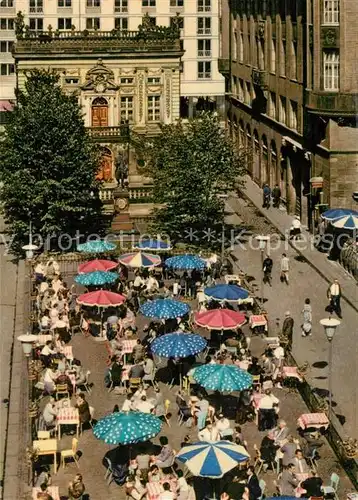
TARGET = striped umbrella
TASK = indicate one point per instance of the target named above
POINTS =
(346, 222)
(127, 427)
(212, 459)
(215, 377)
(96, 246)
(97, 265)
(96, 278)
(336, 213)
(139, 259)
(164, 309)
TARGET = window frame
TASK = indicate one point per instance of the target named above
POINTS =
(128, 114)
(152, 110)
(9, 22)
(120, 5)
(93, 23)
(93, 4)
(330, 12)
(204, 51)
(202, 70)
(177, 4)
(331, 70)
(203, 5)
(149, 3)
(7, 67)
(8, 4)
(206, 27)
(66, 26)
(37, 20)
(64, 4)
(123, 19)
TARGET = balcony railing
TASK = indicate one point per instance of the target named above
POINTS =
(136, 194)
(204, 75)
(224, 66)
(204, 8)
(121, 9)
(204, 53)
(106, 194)
(332, 104)
(204, 31)
(36, 10)
(259, 78)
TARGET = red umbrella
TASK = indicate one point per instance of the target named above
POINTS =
(97, 265)
(220, 319)
(101, 298)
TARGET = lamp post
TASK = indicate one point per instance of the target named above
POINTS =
(223, 197)
(27, 342)
(30, 248)
(262, 246)
(330, 325)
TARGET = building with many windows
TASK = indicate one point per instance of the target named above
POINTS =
(290, 70)
(202, 86)
(126, 82)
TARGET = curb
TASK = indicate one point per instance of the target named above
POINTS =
(315, 267)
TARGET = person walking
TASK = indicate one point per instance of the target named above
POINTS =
(267, 269)
(334, 294)
(287, 329)
(307, 318)
(276, 196)
(266, 196)
(285, 267)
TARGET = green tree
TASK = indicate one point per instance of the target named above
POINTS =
(48, 165)
(191, 164)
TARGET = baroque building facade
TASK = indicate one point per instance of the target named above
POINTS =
(127, 82)
(292, 96)
(202, 85)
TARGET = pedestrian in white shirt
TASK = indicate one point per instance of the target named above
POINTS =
(268, 401)
(128, 403)
(210, 433)
(334, 294)
(167, 494)
(285, 267)
(144, 406)
(182, 486)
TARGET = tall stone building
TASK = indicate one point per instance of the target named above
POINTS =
(292, 96)
(126, 82)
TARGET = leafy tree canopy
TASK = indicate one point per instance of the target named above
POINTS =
(191, 164)
(48, 165)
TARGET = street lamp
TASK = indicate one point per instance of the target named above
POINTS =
(223, 197)
(262, 246)
(27, 342)
(330, 325)
(30, 248)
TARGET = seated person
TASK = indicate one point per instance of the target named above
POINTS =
(144, 405)
(47, 353)
(300, 463)
(138, 352)
(166, 455)
(167, 494)
(142, 460)
(64, 379)
(116, 371)
(182, 486)
(134, 487)
(136, 371)
(155, 474)
(312, 485)
(76, 488)
(128, 403)
(45, 322)
(222, 425)
(209, 433)
(80, 372)
(149, 369)
(49, 379)
(116, 346)
(268, 450)
(49, 413)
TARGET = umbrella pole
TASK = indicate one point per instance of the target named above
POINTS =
(101, 337)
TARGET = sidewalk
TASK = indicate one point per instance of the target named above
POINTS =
(327, 269)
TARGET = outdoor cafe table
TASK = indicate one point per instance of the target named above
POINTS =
(257, 320)
(53, 491)
(127, 347)
(291, 371)
(42, 339)
(68, 416)
(67, 351)
(316, 420)
(232, 278)
(47, 447)
(155, 489)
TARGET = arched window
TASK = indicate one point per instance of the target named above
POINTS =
(105, 172)
(265, 159)
(99, 112)
(274, 176)
(256, 156)
(249, 147)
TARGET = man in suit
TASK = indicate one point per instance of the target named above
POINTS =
(300, 463)
(312, 485)
(334, 294)
(253, 484)
(287, 329)
(281, 433)
(288, 482)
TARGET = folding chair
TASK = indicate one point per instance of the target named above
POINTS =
(62, 389)
(166, 412)
(85, 385)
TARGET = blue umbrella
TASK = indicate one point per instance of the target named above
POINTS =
(96, 278)
(96, 246)
(152, 244)
(164, 309)
(185, 262)
(336, 213)
(127, 427)
(178, 345)
(212, 459)
(229, 293)
(222, 378)
(346, 222)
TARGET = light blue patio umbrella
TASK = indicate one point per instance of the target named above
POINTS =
(336, 213)
(178, 345)
(164, 309)
(212, 459)
(227, 293)
(96, 246)
(222, 378)
(127, 427)
(186, 262)
(96, 278)
(152, 245)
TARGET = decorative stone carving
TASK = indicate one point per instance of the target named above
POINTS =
(140, 96)
(168, 95)
(127, 90)
(152, 71)
(330, 37)
(154, 89)
(100, 79)
(261, 29)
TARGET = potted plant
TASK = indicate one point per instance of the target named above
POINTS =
(33, 410)
(350, 448)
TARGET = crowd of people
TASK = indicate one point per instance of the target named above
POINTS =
(135, 373)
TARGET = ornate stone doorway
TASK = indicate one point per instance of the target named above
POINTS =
(99, 112)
